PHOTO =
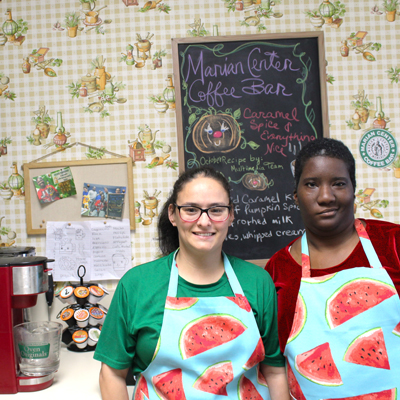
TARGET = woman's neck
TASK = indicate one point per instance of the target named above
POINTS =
(201, 270)
(327, 252)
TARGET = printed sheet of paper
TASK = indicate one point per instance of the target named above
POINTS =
(103, 248)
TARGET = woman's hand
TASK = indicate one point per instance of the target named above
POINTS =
(277, 382)
(112, 383)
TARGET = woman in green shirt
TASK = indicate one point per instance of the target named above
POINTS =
(196, 314)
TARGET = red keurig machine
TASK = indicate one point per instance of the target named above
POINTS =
(21, 280)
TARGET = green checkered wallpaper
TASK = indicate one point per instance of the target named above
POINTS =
(102, 64)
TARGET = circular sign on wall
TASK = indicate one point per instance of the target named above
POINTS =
(378, 148)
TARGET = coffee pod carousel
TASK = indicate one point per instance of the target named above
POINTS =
(83, 314)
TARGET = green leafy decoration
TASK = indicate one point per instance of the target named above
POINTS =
(339, 11)
(230, 5)
(100, 30)
(330, 79)
(376, 46)
(311, 116)
(159, 144)
(104, 114)
(394, 74)
(164, 8)
(22, 28)
(261, 28)
(88, 110)
(30, 139)
(192, 118)
(5, 141)
(383, 203)
(237, 114)
(74, 89)
(56, 63)
(144, 9)
(95, 153)
(10, 95)
(253, 145)
(4, 231)
(171, 164)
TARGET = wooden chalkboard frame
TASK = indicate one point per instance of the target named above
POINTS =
(110, 171)
(176, 43)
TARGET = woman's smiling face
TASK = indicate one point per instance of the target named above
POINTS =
(325, 196)
(203, 234)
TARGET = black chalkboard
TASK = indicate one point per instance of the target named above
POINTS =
(246, 105)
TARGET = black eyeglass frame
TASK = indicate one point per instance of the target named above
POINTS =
(202, 210)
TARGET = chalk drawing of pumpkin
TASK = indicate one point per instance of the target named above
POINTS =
(255, 181)
(216, 134)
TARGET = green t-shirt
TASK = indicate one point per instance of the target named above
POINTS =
(133, 324)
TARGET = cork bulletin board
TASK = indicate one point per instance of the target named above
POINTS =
(113, 172)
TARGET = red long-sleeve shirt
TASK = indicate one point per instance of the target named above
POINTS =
(286, 272)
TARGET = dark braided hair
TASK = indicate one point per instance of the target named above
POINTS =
(325, 147)
(168, 238)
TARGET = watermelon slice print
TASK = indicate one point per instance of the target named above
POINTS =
(295, 389)
(299, 320)
(318, 366)
(207, 332)
(141, 390)
(215, 378)
(390, 394)
(355, 297)
(257, 356)
(396, 330)
(181, 303)
(305, 260)
(241, 301)
(168, 385)
(247, 391)
(157, 348)
(368, 349)
(362, 233)
(260, 377)
(319, 279)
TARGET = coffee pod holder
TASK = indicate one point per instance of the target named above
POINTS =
(84, 316)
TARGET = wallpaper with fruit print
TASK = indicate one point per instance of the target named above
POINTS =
(99, 72)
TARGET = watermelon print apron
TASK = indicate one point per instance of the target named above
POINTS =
(209, 347)
(344, 343)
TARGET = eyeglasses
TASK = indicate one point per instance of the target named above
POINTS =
(193, 213)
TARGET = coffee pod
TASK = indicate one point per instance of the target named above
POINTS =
(81, 293)
(67, 315)
(96, 316)
(82, 317)
(96, 294)
(94, 334)
(67, 295)
(104, 309)
(103, 288)
(80, 338)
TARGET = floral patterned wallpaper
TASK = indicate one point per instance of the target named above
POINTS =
(99, 72)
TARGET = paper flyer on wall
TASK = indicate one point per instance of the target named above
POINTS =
(103, 247)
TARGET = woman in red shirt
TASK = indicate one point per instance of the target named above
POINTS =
(311, 273)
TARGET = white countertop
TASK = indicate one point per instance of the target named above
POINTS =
(77, 378)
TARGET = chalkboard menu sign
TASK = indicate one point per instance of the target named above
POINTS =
(246, 105)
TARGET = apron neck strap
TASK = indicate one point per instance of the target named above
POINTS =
(232, 279)
(365, 242)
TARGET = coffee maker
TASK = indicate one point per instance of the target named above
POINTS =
(21, 280)
(17, 251)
